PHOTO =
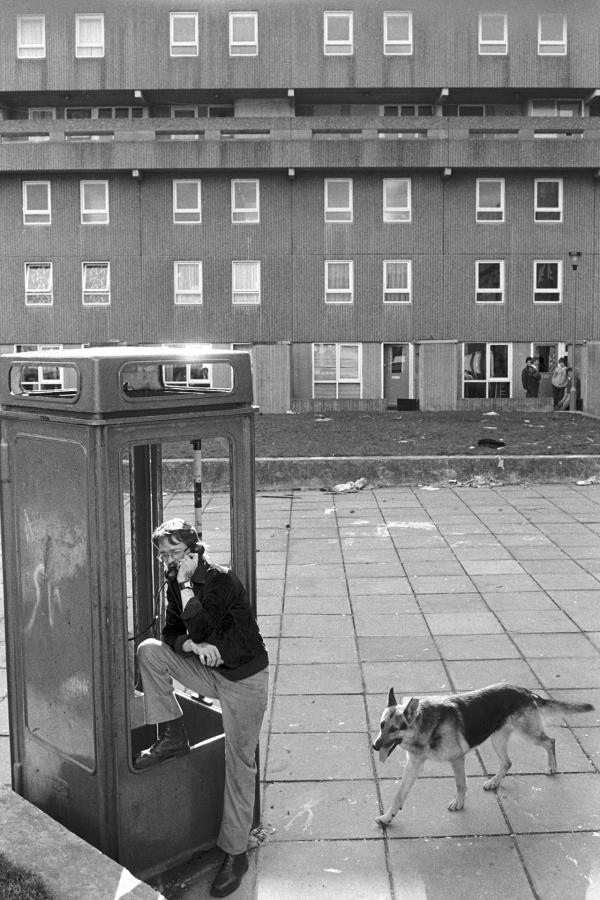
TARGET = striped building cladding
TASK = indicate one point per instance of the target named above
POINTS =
(379, 203)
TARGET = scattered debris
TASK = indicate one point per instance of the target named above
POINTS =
(322, 419)
(348, 487)
(491, 442)
(592, 480)
(491, 413)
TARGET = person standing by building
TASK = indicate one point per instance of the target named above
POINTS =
(212, 645)
(530, 378)
(559, 381)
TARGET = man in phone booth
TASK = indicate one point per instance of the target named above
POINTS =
(211, 644)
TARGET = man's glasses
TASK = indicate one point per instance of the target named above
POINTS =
(175, 555)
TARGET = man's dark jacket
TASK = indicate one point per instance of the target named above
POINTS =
(219, 613)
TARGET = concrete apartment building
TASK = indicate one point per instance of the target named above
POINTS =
(378, 202)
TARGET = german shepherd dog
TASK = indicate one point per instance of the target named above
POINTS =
(446, 728)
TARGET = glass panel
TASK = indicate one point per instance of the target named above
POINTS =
(95, 277)
(475, 363)
(398, 26)
(489, 275)
(547, 275)
(499, 361)
(492, 28)
(324, 357)
(242, 29)
(551, 28)
(349, 361)
(338, 194)
(184, 29)
(397, 275)
(338, 276)
(338, 27)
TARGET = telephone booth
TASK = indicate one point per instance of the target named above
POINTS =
(82, 465)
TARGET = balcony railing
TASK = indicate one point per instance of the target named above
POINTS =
(427, 142)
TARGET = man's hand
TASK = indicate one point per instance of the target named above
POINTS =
(187, 566)
(206, 653)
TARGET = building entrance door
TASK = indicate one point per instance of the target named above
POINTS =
(397, 382)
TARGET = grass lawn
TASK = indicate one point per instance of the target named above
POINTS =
(415, 434)
(18, 884)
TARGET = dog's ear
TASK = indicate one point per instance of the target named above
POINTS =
(392, 698)
(410, 710)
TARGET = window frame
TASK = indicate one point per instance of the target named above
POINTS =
(396, 291)
(492, 47)
(194, 46)
(25, 208)
(78, 43)
(246, 211)
(349, 291)
(104, 212)
(389, 211)
(28, 266)
(85, 265)
(239, 296)
(392, 47)
(346, 47)
(330, 212)
(481, 210)
(195, 295)
(538, 210)
(338, 380)
(489, 379)
(557, 291)
(24, 50)
(481, 292)
(187, 211)
(547, 47)
(243, 48)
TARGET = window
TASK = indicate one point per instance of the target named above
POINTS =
(396, 200)
(36, 203)
(187, 374)
(338, 200)
(245, 201)
(552, 35)
(336, 371)
(547, 280)
(95, 282)
(548, 199)
(490, 199)
(339, 281)
(38, 284)
(184, 34)
(490, 280)
(397, 278)
(94, 202)
(486, 370)
(397, 34)
(337, 34)
(89, 35)
(563, 108)
(245, 281)
(41, 378)
(38, 113)
(243, 34)
(493, 35)
(406, 109)
(188, 282)
(187, 206)
(31, 37)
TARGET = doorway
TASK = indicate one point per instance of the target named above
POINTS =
(397, 372)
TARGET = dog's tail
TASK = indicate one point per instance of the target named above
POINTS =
(564, 705)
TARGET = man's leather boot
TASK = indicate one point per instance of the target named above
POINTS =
(229, 876)
(172, 741)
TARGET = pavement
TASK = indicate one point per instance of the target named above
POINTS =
(427, 589)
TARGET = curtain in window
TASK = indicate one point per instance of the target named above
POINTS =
(396, 276)
(245, 276)
(95, 277)
(348, 362)
(187, 277)
(31, 31)
(338, 276)
(324, 362)
(38, 277)
(90, 31)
